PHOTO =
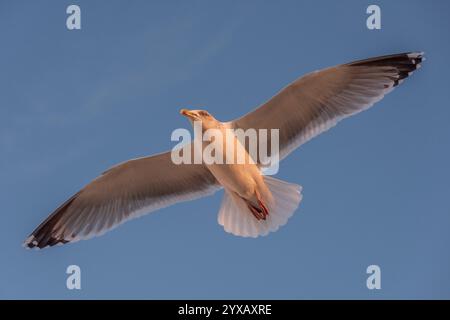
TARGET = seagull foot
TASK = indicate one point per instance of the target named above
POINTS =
(260, 212)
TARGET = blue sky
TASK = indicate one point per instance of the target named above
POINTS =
(74, 103)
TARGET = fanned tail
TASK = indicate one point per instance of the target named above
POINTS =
(237, 218)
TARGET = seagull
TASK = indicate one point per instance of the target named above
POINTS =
(253, 204)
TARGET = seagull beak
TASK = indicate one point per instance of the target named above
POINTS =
(187, 113)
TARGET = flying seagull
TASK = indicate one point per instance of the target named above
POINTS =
(253, 204)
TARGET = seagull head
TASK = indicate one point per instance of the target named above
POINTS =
(200, 115)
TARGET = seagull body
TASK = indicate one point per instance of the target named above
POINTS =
(253, 204)
(240, 180)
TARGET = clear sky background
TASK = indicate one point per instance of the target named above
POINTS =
(73, 103)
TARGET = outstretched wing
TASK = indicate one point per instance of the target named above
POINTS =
(125, 191)
(316, 102)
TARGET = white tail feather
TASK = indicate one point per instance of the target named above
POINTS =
(237, 219)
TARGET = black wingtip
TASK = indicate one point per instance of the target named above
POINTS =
(405, 63)
(43, 236)
(32, 243)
